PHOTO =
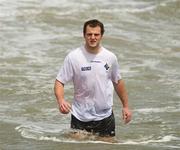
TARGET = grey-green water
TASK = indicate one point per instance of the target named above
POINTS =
(35, 36)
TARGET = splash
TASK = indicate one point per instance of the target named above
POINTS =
(65, 136)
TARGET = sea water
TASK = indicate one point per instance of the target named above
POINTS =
(36, 35)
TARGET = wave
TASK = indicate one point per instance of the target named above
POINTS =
(39, 134)
(150, 6)
(157, 110)
(107, 7)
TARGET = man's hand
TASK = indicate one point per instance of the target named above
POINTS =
(126, 113)
(65, 107)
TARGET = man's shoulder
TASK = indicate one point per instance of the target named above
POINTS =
(108, 53)
(75, 51)
(74, 55)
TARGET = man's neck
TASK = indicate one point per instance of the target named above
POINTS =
(93, 50)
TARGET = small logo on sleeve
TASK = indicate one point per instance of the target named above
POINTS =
(88, 68)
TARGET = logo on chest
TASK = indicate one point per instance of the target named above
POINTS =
(88, 68)
(106, 66)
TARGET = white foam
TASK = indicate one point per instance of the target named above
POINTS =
(163, 139)
(55, 139)
(41, 128)
(157, 110)
(34, 132)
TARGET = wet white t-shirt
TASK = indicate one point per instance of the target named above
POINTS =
(92, 76)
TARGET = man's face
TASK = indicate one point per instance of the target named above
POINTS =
(93, 37)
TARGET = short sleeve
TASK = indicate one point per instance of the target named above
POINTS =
(115, 74)
(66, 72)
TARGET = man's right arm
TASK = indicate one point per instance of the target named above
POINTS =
(64, 106)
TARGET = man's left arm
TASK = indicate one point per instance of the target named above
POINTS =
(122, 94)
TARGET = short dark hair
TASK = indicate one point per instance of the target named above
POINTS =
(93, 23)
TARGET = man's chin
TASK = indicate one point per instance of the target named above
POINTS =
(93, 45)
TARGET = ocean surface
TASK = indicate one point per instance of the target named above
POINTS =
(36, 35)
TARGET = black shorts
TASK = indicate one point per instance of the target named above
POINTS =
(104, 127)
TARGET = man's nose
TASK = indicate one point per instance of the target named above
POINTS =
(92, 36)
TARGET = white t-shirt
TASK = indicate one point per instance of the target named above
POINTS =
(92, 76)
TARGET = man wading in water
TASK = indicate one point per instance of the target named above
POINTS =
(94, 71)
